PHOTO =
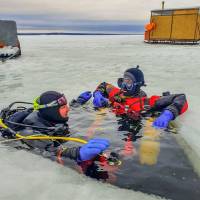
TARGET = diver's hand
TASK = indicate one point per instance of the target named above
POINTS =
(99, 101)
(84, 97)
(93, 148)
(163, 120)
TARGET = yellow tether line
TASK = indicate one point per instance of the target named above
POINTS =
(45, 137)
(2, 124)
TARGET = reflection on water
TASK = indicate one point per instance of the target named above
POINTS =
(149, 145)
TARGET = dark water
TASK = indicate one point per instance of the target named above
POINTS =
(151, 160)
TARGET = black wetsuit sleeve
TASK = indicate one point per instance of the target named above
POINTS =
(176, 103)
(72, 153)
(142, 93)
(77, 102)
(105, 89)
(74, 103)
(37, 143)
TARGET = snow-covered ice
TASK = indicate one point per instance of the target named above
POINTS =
(72, 64)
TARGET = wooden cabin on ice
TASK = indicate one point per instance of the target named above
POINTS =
(176, 26)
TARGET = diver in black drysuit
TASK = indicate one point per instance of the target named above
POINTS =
(49, 117)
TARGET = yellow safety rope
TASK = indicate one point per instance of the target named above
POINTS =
(43, 137)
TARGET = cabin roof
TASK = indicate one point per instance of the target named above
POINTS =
(172, 9)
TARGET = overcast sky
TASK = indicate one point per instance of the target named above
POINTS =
(61, 13)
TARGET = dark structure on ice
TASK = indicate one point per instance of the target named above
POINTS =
(9, 43)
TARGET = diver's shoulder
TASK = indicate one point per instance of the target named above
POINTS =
(142, 93)
(33, 119)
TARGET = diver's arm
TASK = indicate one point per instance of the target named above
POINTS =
(37, 143)
(176, 103)
(81, 99)
(103, 93)
(74, 103)
(49, 149)
(107, 90)
(85, 152)
(72, 153)
(142, 93)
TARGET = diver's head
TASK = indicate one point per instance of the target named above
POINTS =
(132, 81)
(52, 106)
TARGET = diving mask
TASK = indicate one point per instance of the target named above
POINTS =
(58, 102)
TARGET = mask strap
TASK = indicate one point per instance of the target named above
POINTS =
(37, 106)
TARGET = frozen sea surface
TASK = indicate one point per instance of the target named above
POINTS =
(72, 64)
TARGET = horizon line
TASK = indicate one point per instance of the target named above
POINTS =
(76, 33)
